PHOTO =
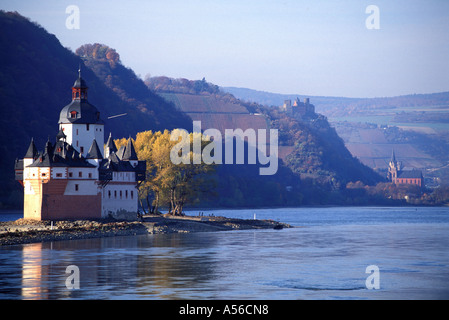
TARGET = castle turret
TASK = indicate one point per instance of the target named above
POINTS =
(94, 155)
(31, 154)
(110, 147)
(80, 121)
(130, 153)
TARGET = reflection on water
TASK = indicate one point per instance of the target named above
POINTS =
(314, 262)
(146, 266)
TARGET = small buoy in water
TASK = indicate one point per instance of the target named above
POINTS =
(278, 227)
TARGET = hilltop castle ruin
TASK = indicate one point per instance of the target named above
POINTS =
(299, 109)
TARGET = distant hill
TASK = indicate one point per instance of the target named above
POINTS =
(342, 105)
(277, 99)
(36, 76)
(309, 148)
(415, 126)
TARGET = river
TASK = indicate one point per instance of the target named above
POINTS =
(325, 257)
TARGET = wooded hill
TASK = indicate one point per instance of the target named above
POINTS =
(36, 76)
(314, 161)
(341, 106)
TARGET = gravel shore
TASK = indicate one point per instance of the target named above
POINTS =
(27, 231)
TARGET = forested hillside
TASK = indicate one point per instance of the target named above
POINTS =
(318, 152)
(146, 110)
(315, 151)
(36, 76)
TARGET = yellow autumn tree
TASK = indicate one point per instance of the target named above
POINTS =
(169, 184)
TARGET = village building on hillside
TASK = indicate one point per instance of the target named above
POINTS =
(78, 177)
(397, 175)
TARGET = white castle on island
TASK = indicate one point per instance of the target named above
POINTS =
(76, 177)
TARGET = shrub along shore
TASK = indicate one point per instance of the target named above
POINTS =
(24, 231)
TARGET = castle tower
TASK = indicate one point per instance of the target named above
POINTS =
(288, 106)
(80, 121)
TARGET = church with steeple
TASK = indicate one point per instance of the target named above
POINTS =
(78, 176)
(397, 175)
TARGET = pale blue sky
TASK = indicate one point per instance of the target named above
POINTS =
(305, 47)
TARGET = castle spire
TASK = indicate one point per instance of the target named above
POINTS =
(32, 151)
(94, 151)
(130, 152)
(110, 147)
(79, 89)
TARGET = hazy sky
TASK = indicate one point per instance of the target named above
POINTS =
(289, 46)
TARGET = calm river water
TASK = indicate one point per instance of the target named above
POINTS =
(326, 257)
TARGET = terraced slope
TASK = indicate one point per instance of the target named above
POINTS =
(215, 113)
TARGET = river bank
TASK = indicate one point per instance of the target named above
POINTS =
(23, 231)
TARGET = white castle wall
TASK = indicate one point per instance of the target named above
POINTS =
(120, 195)
(81, 138)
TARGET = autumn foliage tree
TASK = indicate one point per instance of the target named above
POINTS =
(168, 184)
(99, 52)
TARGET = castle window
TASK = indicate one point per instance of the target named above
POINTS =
(44, 174)
(77, 187)
(70, 174)
(109, 194)
(87, 126)
(132, 194)
(90, 175)
(126, 194)
(59, 175)
(73, 115)
(115, 194)
(80, 174)
(120, 194)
